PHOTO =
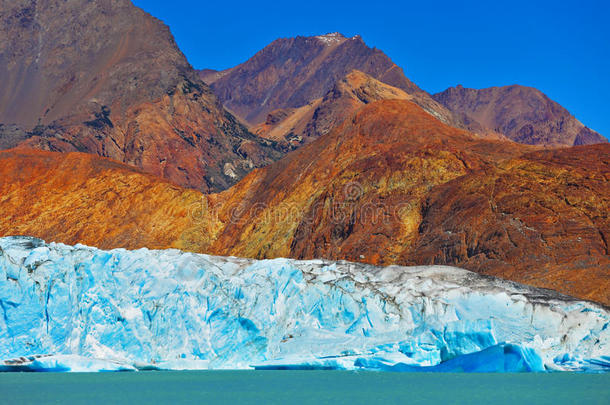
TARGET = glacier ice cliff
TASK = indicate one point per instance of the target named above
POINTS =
(65, 308)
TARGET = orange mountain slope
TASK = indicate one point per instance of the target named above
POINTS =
(391, 153)
(389, 185)
(82, 198)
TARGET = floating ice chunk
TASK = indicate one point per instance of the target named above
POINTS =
(63, 363)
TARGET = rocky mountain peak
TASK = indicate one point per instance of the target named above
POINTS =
(332, 38)
(105, 77)
(292, 72)
(522, 114)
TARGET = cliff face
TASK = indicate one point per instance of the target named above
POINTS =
(523, 114)
(293, 72)
(390, 185)
(106, 78)
(80, 305)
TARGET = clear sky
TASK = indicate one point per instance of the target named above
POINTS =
(560, 47)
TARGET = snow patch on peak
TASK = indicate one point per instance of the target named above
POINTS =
(331, 38)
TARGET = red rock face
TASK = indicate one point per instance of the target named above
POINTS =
(106, 78)
(185, 137)
(520, 113)
(293, 72)
(539, 219)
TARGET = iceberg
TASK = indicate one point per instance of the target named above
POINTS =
(78, 308)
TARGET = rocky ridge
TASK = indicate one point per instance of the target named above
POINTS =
(522, 114)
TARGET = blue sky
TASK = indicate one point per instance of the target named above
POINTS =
(559, 47)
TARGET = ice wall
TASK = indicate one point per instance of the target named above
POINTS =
(174, 310)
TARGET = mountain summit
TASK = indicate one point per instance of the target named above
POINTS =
(523, 114)
(104, 77)
(290, 76)
(292, 72)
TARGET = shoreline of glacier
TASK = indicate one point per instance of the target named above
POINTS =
(169, 309)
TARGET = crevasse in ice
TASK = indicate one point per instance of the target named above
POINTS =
(86, 309)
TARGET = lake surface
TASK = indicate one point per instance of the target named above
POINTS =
(287, 387)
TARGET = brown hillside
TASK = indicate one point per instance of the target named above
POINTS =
(106, 78)
(523, 114)
(389, 185)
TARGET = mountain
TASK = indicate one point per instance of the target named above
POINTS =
(82, 309)
(390, 185)
(393, 185)
(82, 198)
(290, 77)
(541, 219)
(293, 72)
(520, 113)
(297, 126)
(388, 154)
(106, 78)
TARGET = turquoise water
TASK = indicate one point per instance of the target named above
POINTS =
(288, 387)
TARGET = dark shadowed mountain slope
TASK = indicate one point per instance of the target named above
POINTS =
(106, 78)
(523, 114)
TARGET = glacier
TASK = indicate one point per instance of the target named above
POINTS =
(78, 308)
